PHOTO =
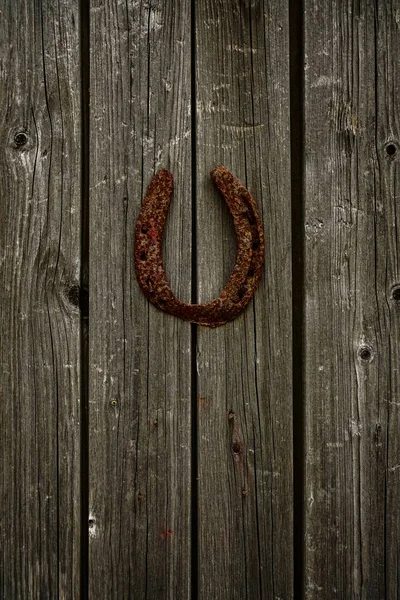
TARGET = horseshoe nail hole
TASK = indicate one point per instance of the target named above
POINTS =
(145, 228)
(255, 245)
(365, 354)
(241, 292)
(251, 272)
(143, 256)
(149, 285)
(20, 139)
(391, 149)
(251, 219)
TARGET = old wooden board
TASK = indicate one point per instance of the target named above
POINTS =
(40, 166)
(352, 314)
(244, 368)
(140, 361)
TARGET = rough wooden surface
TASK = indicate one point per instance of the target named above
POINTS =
(147, 378)
(40, 325)
(352, 321)
(244, 368)
(140, 362)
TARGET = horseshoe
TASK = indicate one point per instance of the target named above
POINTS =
(246, 273)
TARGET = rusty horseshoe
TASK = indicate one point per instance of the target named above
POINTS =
(246, 273)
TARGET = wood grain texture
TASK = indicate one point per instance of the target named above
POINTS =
(40, 327)
(352, 322)
(140, 367)
(244, 368)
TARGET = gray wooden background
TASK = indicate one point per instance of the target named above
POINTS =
(146, 458)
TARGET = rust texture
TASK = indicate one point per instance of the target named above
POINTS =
(246, 273)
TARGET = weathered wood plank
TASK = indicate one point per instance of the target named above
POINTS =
(139, 398)
(352, 321)
(244, 368)
(40, 326)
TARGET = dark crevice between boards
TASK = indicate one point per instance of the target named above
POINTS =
(84, 298)
(193, 348)
(296, 56)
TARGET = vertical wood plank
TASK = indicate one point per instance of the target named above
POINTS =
(139, 380)
(40, 324)
(352, 318)
(244, 368)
